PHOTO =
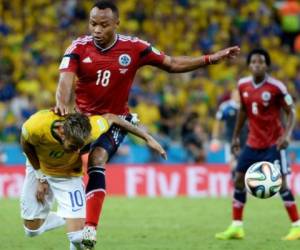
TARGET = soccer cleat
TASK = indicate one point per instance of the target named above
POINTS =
(89, 237)
(294, 234)
(232, 232)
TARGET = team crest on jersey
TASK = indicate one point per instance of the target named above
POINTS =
(245, 94)
(266, 96)
(124, 60)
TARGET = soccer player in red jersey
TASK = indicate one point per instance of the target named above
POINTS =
(105, 64)
(262, 100)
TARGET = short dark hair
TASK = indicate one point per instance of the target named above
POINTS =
(104, 4)
(77, 127)
(262, 52)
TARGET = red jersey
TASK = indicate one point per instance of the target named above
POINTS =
(263, 103)
(105, 76)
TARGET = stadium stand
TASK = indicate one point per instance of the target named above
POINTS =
(34, 37)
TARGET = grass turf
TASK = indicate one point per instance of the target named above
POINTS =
(152, 224)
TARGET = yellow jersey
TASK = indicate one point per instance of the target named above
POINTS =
(38, 130)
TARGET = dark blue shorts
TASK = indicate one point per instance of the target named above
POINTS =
(250, 156)
(112, 139)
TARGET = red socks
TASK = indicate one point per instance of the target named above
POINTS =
(94, 202)
(237, 210)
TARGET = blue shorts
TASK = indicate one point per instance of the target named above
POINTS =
(250, 156)
(112, 139)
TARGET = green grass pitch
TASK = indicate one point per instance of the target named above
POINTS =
(152, 224)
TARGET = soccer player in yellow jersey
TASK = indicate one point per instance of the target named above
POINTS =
(52, 145)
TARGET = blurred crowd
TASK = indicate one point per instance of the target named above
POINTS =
(174, 107)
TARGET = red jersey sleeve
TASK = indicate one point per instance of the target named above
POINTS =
(148, 55)
(285, 98)
(70, 60)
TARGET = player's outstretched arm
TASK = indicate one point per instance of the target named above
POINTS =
(64, 93)
(151, 142)
(180, 64)
(30, 153)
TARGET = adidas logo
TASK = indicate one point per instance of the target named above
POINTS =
(123, 71)
(87, 60)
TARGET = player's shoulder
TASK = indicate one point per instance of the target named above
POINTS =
(223, 105)
(82, 40)
(244, 80)
(41, 118)
(133, 40)
(99, 126)
(79, 43)
(277, 84)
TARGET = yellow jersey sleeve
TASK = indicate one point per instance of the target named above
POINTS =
(99, 126)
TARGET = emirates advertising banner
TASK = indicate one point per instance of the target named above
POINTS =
(152, 180)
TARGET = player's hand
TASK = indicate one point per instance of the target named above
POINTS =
(153, 144)
(235, 146)
(61, 110)
(282, 142)
(42, 191)
(228, 53)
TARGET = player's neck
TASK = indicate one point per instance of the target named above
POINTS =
(259, 79)
(108, 45)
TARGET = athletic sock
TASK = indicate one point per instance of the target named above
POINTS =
(290, 205)
(95, 194)
(239, 200)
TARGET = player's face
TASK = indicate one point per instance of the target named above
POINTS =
(102, 25)
(258, 65)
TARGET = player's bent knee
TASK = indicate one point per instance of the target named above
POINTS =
(32, 232)
(98, 156)
(284, 185)
(75, 238)
(239, 181)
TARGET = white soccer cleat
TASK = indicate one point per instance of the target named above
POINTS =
(89, 237)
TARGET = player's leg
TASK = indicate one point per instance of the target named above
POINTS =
(288, 197)
(95, 192)
(101, 151)
(235, 230)
(37, 216)
(75, 232)
(70, 196)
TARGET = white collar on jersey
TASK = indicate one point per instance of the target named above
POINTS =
(257, 85)
(109, 47)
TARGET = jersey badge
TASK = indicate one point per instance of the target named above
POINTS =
(266, 96)
(87, 60)
(124, 60)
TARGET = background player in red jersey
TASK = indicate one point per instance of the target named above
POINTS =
(105, 64)
(262, 100)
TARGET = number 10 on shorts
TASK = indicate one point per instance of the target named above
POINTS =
(76, 199)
